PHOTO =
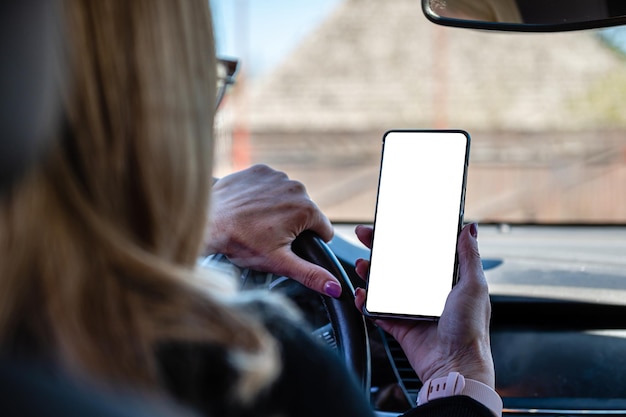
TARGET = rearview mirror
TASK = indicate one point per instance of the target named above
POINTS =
(526, 15)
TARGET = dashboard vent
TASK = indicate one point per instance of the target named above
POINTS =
(407, 377)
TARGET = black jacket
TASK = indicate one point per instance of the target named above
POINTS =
(313, 382)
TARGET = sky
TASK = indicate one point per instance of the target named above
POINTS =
(242, 25)
(244, 28)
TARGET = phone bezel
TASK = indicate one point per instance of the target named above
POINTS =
(461, 211)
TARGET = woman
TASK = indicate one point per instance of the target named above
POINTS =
(101, 238)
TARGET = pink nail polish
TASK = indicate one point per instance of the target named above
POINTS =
(474, 230)
(332, 289)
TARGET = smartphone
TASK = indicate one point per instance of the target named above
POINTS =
(418, 218)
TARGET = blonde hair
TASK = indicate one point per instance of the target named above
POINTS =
(99, 242)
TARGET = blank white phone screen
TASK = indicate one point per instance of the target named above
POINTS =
(418, 214)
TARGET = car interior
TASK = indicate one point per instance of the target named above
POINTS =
(557, 286)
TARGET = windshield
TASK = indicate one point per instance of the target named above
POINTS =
(316, 92)
(321, 82)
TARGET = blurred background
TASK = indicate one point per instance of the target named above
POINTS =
(321, 82)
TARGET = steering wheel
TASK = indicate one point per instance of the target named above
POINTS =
(347, 323)
(336, 320)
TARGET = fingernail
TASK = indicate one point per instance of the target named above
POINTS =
(474, 230)
(357, 262)
(332, 289)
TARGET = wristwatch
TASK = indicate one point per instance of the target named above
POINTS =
(457, 384)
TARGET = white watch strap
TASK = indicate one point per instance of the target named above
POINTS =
(456, 384)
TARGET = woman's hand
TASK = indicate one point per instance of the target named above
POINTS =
(255, 216)
(459, 340)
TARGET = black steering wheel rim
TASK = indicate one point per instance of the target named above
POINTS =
(347, 322)
(349, 329)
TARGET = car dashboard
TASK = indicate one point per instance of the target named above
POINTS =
(555, 353)
(559, 345)
(553, 359)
